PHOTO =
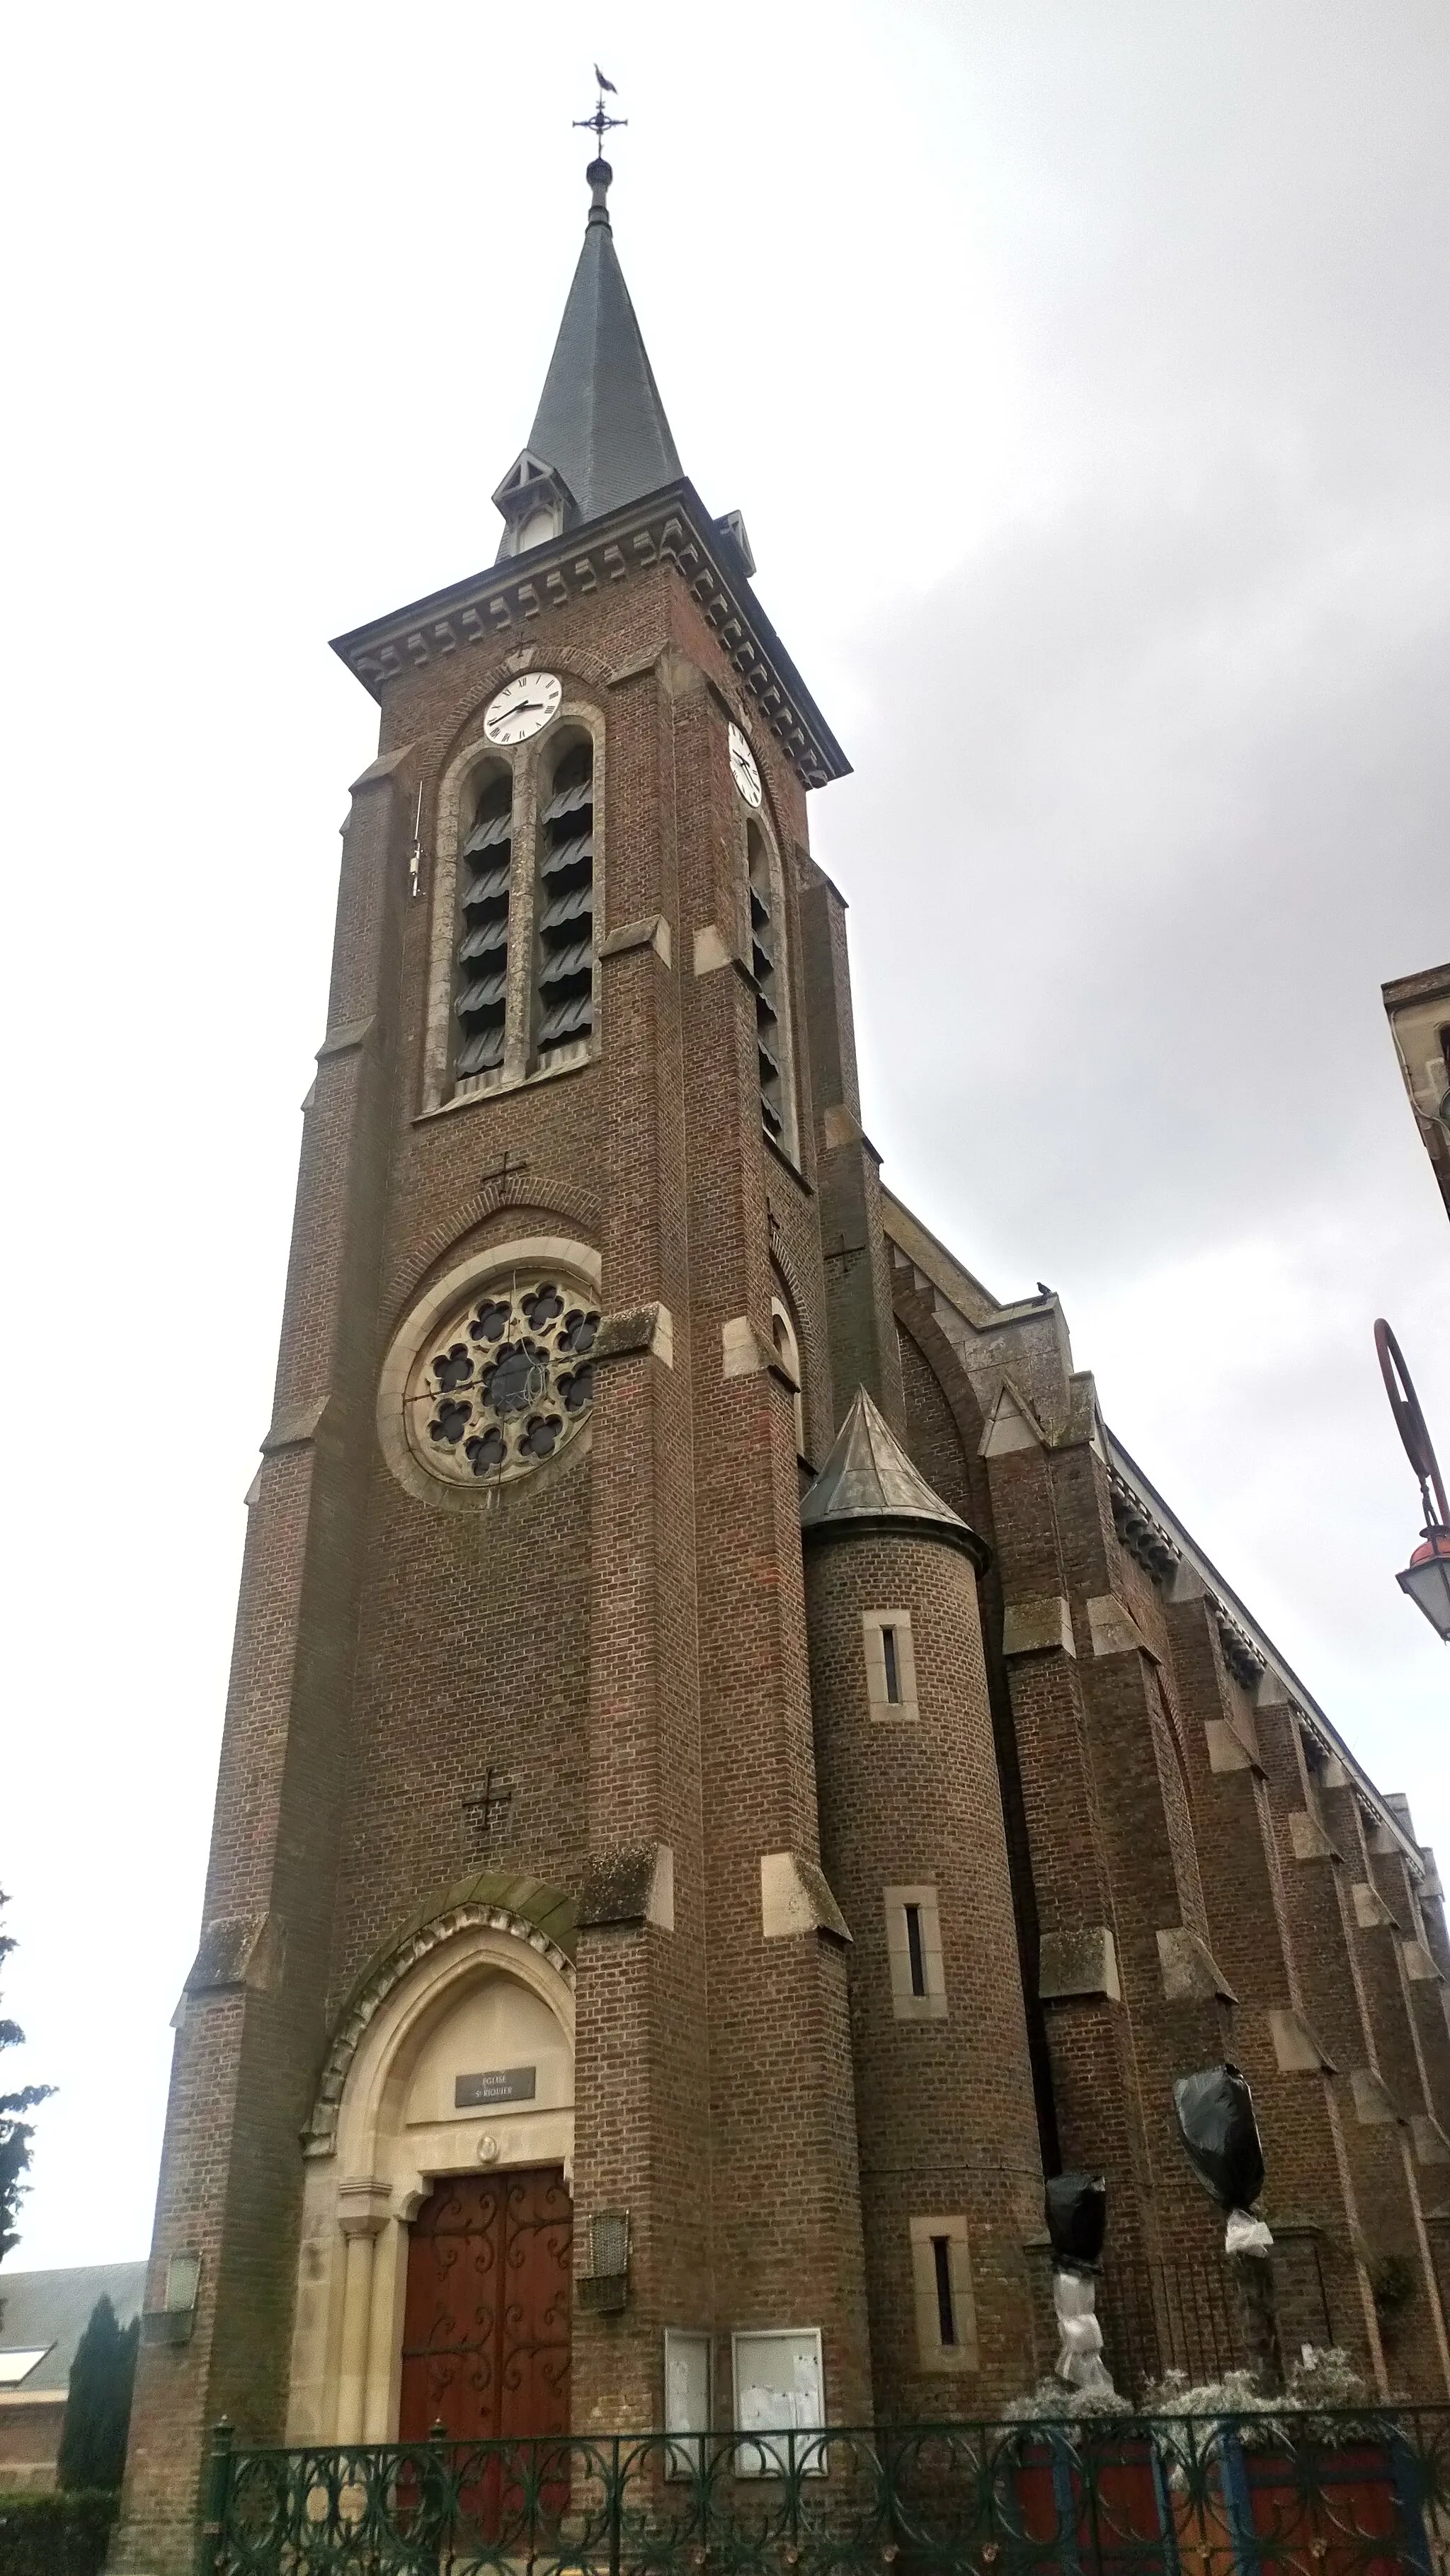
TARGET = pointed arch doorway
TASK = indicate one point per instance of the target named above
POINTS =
(437, 2237)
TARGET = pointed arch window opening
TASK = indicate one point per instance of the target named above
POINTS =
(787, 1343)
(481, 975)
(564, 934)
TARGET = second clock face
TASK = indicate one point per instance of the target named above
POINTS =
(523, 707)
(742, 767)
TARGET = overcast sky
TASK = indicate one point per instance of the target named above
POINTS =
(1081, 369)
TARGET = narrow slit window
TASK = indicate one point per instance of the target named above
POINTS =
(890, 1659)
(914, 1954)
(946, 2320)
(481, 1001)
(764, 968)
(941, 2280)
(565, 995)
(914, 1950)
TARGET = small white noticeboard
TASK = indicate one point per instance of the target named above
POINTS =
(779, 2388)
(687, 2400)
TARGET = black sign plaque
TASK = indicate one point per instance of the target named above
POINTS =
(500, 2084)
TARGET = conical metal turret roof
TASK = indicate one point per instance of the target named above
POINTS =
(600, 422)
(868, 1483)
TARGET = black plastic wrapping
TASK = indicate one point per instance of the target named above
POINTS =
(1077, 2218)
(1216, 2120)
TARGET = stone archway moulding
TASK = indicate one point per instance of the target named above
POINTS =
(527, 1190)
(320, 2135)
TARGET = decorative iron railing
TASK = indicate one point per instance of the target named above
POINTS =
(1353, 2494)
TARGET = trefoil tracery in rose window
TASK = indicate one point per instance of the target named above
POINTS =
(506, 1382)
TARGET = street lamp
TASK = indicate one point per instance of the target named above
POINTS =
(1427, 1576)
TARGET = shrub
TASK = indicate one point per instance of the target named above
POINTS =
(63, 2534)
(98, 2409)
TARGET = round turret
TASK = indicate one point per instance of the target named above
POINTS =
(915, 1852)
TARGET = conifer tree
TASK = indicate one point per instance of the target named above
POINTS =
(98, 2409)
(15, 2130)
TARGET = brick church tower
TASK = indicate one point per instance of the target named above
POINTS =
(518, 1941)
(730, 1770)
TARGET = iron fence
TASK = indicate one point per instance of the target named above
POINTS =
(1333, 2494)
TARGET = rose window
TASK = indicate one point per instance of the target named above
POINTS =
(506, 1382)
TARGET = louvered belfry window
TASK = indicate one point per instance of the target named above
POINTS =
(566, 904)
(483, 946)
(764, 964)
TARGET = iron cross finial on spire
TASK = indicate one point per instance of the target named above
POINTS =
(599, 124)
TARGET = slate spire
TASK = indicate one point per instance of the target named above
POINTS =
(600, 423)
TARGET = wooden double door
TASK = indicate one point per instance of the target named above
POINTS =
(487, 2313)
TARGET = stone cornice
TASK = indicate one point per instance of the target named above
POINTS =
(671, 526)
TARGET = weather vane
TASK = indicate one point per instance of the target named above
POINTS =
(599, 124)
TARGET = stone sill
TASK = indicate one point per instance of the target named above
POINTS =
(508, 1089)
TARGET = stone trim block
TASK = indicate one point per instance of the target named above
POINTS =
(1370, 1910)
(378, 771)
(653, 932)
(1420, 1968)
(1189, 1971)
(1113, 1628)
(744, 1354)
(295, 1426)
(238, 1950)
(794, 1898)
(1227, 1750)
(347, 1035)
(1011, 1424)
(1297, 2050)
(635, 1883)
(1039, 1626)
(1431, 2145)
(712, 950)
(644, 1329)
(1308, 1837)
(1374, 2104)
(1081, 1962)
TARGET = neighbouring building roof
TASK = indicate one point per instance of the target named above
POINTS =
(600, 422)
(868, 1482)
(47, 2313)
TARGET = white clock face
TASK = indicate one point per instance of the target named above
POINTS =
(742, 767)
(523, 707)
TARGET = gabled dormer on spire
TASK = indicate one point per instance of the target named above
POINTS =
(535, 504)
(600, 429)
